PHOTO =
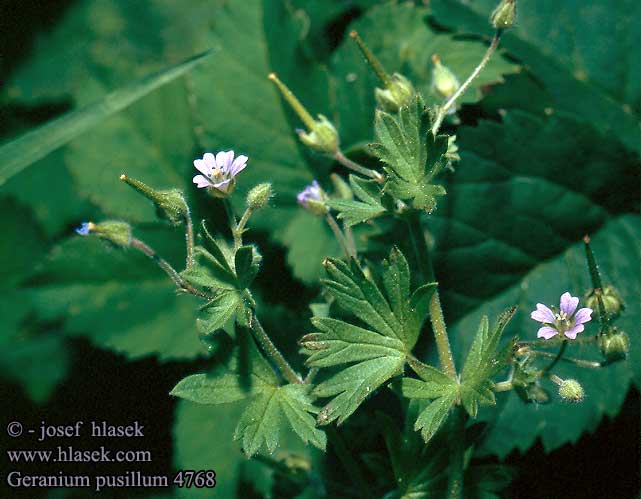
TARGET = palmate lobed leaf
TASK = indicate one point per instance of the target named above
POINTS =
(484, 360)
(393, 318)
(411, 153)
(369, 206)
(562, 179)
(556, 424)
(270, 408)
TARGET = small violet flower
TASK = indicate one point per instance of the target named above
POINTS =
(85, 228)
(312, 198)
(219, 172)
(566, 321)
(312, 192)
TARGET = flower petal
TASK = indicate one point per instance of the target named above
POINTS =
(547, 332)
(583, 315)
(201, 181)
(203, 167)
(568, 303)
(221, 158)
(571, 333)
(238, 165)
(542, 314)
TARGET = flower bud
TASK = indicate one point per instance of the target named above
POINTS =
(614, 346)
(444, 82)
(118, 233)
(571, 390)
(170, 203)
(398, 93)
(504, 15)
(314, 199)
(322, 137)
(612, 301)
(341, 187)
(258, 196)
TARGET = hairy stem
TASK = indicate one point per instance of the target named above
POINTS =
(311, 374)
(349, 463)
(436, 312)
(272, 352)
(577, 362)
(457, 453)
(240, 228)
(461, 90)
(179, 281)
(352, 165)
(189, 239)
(556, 359)
(229, 210)
(349, 253)
(349, 238)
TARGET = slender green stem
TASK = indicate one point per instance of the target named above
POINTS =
(179, 281)
(339, 236)
(477, 70)
(457, 453)
(272, 352)
(553, 342)
(229, 210)
(349, 463)
(555, 379)
(556, 359)
(309, 379)
(240, 228)
(349, 237)
(352, 165)
(576, 362)
(436, 312)
(189, 239)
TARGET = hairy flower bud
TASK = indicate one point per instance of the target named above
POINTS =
(258, 196)
(504, 15)
(571, 390)
(118, 233)
(612, 301)
(444, 82)
(614, 346)
(314, 199)
(169, 203)
(397, 94)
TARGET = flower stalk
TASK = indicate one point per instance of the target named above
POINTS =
(442, 112)
(179, 281)
(272, 352)
(352, 165)
(436, 312)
